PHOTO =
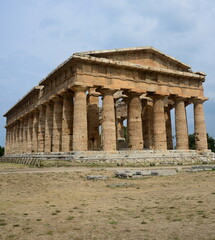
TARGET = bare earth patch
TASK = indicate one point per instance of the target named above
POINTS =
(65, 205)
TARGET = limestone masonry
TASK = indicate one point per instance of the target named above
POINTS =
(86, 102)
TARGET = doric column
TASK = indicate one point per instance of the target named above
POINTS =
(57, 124)
(25, 134)
(159, 123)
(108, 121)
(35, 131)
(30, 132)
(10, 141)
(182, 142)
(199, 126)
(20, 135)
(17, 138)
(67, 121)
(168, 128)
(49, 126)
(135, 133)
(41, 128)
(93, 120)
(14, 138)
(80, 136)
(6, 142)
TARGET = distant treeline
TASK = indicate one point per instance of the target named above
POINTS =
(211, 142)
(1, 151)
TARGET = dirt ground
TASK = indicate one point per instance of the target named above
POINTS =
(60, 204)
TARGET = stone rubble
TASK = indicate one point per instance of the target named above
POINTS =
(96, 177)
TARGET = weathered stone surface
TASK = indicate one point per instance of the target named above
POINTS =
(181, 125)
(49, 127)
(41, 129)
(67, 121)
(135, 133)
(57, 124)
(108, 121)
(199, 125)
(154, 83)
(141, 174)
(93, 122)
(97, 177)
(80, 140)
(159, 124)
(168, 128)
(164, 172)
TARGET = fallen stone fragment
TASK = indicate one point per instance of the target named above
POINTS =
(96, 177)
(164, 172)
(141, 174)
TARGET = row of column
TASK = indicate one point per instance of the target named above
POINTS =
(70, 122)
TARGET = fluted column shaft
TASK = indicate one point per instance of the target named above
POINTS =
(168, 128)
(159, 124)
(93, 123)
(182, 142)
(25, 129)
(80, 136)
(67, 121)
(135, 132)
(30, 130)
(108, 121)
(17, 138)
(49, 127)
(13, 139)
(199, 126)
(57, 124)
(35, 131)
(20, 136)
(6, 142)
(41, 128)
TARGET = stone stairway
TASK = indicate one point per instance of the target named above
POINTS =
(121, 158)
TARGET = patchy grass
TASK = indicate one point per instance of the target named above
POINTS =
(64, 205)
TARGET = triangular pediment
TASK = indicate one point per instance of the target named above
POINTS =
(146, 56)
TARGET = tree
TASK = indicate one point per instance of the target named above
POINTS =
(211, 142)
(1, 151)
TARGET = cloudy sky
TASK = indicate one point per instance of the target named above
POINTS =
(36, 36)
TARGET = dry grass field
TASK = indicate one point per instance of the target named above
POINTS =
(64, 205)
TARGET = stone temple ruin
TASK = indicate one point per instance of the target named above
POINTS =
(110, 104)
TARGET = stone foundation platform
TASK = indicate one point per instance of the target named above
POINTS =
(116, 158)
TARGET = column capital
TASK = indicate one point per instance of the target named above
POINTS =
(107, 91)
(49, 103)
(156, 96)
(178, 99)
(133, 93)
(36, 110)
(196, 100)
(199, 100)
(66, 93)
(56, 98)
(41, 107)
(78, 87)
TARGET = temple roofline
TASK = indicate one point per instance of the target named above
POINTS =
(131, 49)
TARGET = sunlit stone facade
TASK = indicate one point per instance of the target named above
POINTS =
(82, 104)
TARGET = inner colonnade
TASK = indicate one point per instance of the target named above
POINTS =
(82, 104)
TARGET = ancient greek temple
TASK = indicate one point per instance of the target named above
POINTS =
(109, 100)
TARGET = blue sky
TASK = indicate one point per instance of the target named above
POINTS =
(36, 36)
